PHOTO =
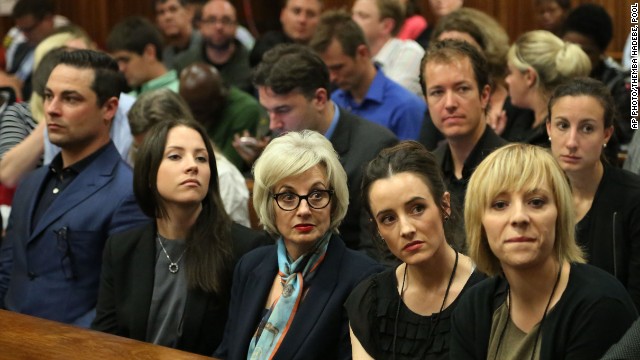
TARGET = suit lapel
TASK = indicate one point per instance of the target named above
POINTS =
(142, 280)
(195, 309)
(90, 180)
(313, 305)
(33, 200)
(341, 135)
(256, 293)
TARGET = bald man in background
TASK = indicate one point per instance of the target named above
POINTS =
(223, 110)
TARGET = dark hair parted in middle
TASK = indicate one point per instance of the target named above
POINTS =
(208, 253)
(412, 157)
(289, 67)
(584, 86)
(448, 51)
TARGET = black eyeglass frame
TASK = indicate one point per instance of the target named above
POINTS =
(304, 197)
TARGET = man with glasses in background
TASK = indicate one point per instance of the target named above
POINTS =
(220, 47)
(175, 20)
(34, 22)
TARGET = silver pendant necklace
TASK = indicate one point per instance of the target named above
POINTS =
(173, 265)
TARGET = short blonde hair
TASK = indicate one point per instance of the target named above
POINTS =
(517, 167)
(290, 155)
(554, 61)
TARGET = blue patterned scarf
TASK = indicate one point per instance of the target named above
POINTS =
(275, 324)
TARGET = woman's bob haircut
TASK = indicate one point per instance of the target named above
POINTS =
(290, 155)
(517, 167)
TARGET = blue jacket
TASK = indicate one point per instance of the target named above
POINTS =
(320, 328)
(39, 276)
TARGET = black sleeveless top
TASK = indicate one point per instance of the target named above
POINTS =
(372, 308)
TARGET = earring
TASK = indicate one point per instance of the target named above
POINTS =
(446, 218)
(604, 145)
(549, 138)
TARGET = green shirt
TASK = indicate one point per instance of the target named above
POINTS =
(240, 112)
(168, 80)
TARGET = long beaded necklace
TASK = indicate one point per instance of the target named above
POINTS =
(436, 317)
(173, 265)
(544, 316)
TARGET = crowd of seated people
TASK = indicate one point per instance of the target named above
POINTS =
(340, 189)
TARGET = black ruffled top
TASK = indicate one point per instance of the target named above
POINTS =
(372, 308)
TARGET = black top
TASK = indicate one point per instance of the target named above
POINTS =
(628, 348)
(593, 312)
(488, 142)
(610, 231)
(58, 178)
(519, 122)
(372, 310)
(127, 285)
(357, 141)
(618, 82)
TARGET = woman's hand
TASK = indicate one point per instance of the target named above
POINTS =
(497, 121)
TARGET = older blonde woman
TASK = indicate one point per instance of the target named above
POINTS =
(543, 302)
(287, 299)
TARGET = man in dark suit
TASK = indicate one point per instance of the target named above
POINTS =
(293, 85)
(51, 257)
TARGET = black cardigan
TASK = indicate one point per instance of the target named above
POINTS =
(126, 287)
(610, 231)
(593, 313)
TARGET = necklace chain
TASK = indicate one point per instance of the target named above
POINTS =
(173, 265)
(435, 317)
(544, 316)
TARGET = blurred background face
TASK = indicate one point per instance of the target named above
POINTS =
(299, 19)
(289, 112)
(78, 43)
(132, 66)
(444, 7)
(367, 15)
(518, 87)
(34, 29)
(343, 70)
(172, 18)
(577, 132)
(586, 44)
(218, 24)
(549, 15)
